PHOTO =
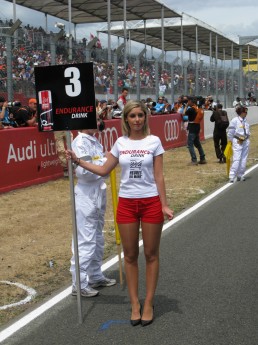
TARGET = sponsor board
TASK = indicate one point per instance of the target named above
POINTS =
(66, 97)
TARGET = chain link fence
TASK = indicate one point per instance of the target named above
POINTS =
(145, 78)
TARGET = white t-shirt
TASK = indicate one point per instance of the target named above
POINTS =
(136, 161)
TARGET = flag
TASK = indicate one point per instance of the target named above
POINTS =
(98, 44)
(228, 154)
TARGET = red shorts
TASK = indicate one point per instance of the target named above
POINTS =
(148, 210)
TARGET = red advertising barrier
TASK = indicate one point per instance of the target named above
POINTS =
(29, 157)
(169, 128)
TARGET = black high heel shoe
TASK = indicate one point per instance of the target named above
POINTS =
(137, 321)
(148, 322)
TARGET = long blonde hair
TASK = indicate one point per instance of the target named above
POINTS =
(130, 105)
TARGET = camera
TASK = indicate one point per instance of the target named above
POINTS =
(151, 104)
(14, 104)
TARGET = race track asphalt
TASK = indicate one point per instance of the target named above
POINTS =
(207, 292)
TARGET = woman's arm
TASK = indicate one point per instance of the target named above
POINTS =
(103, 170)
(159, 178)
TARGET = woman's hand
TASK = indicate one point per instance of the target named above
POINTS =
(168, 212)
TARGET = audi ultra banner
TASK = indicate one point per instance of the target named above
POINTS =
(66, 97)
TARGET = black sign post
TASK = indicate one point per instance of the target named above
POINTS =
(66, 101)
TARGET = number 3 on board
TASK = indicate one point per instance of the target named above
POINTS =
(74, 89)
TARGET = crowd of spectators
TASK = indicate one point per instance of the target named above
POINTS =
(14, 114)
(33, 49)
(31, 52)
(25, 59)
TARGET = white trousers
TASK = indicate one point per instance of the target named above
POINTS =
(240, 153)
(90, 203)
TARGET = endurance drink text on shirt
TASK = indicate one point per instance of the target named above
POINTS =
(136, 161)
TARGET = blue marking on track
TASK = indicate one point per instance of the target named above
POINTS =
(109, 323)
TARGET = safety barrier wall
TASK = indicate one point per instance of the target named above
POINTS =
(30, 157)
(27, 157)
(252, 118)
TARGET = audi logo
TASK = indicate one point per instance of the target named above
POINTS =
(107, 138)
(171, 130)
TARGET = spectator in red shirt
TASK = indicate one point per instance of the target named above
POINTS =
(121, 102)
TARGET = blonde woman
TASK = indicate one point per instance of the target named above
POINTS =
(142, 202)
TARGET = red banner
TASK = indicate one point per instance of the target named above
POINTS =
(29, 157)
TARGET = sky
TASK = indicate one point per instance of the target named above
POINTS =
(228, 16)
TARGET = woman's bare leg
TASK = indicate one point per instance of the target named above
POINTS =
(130, 239)
(151, 234)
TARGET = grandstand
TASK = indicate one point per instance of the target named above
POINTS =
(197, 74)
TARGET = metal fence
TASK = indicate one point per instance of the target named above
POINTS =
(27, 48)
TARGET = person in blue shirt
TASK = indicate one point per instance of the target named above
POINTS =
(4, 114)
(159, 107)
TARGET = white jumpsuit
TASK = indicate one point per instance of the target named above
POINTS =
(239, 128)
(90, 203)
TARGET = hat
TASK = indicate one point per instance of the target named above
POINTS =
(2, 99)
(32, 100)
(103, 101)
